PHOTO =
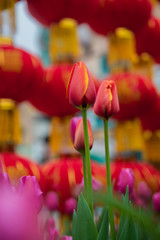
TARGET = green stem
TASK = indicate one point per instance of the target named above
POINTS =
(85, 176)
(109, 184)
(88, 160)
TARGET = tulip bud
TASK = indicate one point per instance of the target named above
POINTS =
(51, 201)
(81, 90)
(107, 103)
(143, 191)
(70, 205)
(125, 179)
(156, 202)
(79, 143)
(73, 125)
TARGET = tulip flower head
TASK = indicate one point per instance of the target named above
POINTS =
(143, 191)
(107, 103)
(125, 179)
(73, 125)
(70, 205)
(81, 90)
(156, 202)
(51, 201)
(79, 143)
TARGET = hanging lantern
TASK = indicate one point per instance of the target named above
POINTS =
(141, 172)
(7, 18)
(148, 38)
(64, 43)
(134, 92)
(64, 174)
(121, 50)
(143, 65)
(17, 166)
(109, 15)
(151, 127)
(10, 133)
(20, 72)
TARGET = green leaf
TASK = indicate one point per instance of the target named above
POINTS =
(129, 231)
(100, 220)
(123, 216)
(104, 228)
(74, 225)
(85, 227)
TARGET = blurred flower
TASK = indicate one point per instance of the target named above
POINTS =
(70, 205)
(73, 125)
(18, 218)
(143, 191)
(96, 185)
(107, 103)
(125, 179)
(66, 238)
(51, 201)
(79, 143)
(29, 186)
(156, 202)
(81, 89)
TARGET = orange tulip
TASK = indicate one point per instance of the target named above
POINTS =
(81, 89)
(107, 103)
(79, 143)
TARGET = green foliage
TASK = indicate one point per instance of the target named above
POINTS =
(103, 233)
(83, 224)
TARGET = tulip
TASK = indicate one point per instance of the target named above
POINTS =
(66, 238)
(81, 90)
(73, 125)
(70, 205)
(79, 142)
(51, 201)
(156, 202)
(143, 191)
(107, 103)
(97, 185)
(126, 179)
(28, 185)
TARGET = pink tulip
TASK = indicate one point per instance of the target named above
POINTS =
(79, 143)
(28, 185)
(81, 90)
(107, 103)
(125, 179)
(51, 201)
(70, 205)
(156, 202)
(73, 125)
(143, 191)
(66, 238)
(96, 185)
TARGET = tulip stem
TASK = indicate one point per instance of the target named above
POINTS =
(85, 176)
(88, 160)
(109, 183)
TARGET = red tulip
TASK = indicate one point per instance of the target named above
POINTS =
(107, 103)
(79, 136)
(81, 89)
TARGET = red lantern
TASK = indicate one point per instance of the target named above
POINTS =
(63, 174)
(134, 92)
(109, 15)
(17, 166)
(151, 120)
(20, 73)
(51, 98)
(141, 171)
(148, 39)
(102, 15)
